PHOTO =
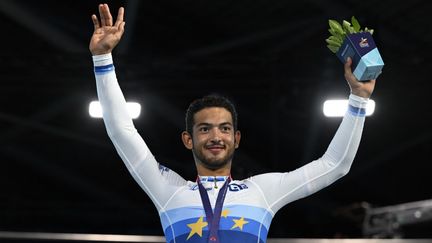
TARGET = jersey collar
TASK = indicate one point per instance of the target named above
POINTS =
(214, 182)
(212, 178)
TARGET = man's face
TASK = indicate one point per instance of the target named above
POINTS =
(213, 138)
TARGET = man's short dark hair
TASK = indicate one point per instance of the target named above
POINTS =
(207, 102)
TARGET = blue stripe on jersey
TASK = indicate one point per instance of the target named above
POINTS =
(255, 213)
(250, 231)
(104, 69)
(180, 214)
(225, 237)
(355, 111)
(175, 222)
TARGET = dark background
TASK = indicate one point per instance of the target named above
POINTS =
(60, 173)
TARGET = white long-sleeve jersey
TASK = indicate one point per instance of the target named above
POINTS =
(250, 204)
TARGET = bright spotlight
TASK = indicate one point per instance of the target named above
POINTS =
(133, 108)
(337, 108)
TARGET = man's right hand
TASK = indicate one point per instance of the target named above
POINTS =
(106, 35)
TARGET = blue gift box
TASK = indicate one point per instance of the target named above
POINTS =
(367, 62)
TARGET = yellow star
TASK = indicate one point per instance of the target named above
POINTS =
(239, 223)
(196, 228)
(225, 213)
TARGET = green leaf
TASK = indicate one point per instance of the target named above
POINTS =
(355, 24)
(336, 39)
(332, 48)
(346, 26)
(338, 35)
(334, 25)
(371, 31)
(333, 43)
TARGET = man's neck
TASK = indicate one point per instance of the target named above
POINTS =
(224, 171)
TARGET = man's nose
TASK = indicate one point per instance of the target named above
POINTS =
(215, 134)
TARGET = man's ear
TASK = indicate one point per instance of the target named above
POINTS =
(237, 137)
(187, 140)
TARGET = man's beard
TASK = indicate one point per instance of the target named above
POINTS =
(213, 164)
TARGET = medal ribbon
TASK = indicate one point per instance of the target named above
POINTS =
(213, 218)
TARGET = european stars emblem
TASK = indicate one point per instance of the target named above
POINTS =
(238, 223)
(225, 213)
(196, 228)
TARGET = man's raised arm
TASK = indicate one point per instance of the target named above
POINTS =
(157, 183)
(335, 162)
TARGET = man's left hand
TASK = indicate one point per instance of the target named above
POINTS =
(363, 89)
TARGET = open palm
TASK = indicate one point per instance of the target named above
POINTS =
(106, 35)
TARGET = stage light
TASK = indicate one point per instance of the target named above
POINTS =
(337, 108)
(95, 109)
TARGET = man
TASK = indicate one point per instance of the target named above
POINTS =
(215, 208)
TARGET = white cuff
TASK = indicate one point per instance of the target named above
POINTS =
(102, 60)
(358, 101)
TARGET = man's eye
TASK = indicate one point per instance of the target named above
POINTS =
(226, 129)
(203, 129)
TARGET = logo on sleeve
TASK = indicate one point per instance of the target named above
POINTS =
(236, 187)
(163, 169)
